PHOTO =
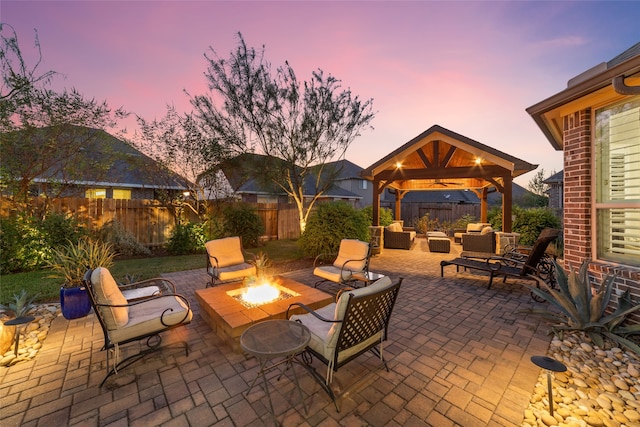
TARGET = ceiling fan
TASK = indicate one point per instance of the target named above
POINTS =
(445, 183)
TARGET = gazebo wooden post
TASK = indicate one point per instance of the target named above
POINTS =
(484, 205)
(399, 196)
(375, 212)
(507, 200)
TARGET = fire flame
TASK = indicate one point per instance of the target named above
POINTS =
(260, 294)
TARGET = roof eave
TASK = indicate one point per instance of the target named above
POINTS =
(577, 91)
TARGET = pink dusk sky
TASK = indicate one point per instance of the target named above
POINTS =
(471, 67)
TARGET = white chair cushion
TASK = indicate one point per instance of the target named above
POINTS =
(228, 251)
(332, 273)
(144, 318)
(319, 330)
(324, 335)
(474, 227)
(234, 271)
(486, 230)
(395, 227)
(107, 292)
(352, 249)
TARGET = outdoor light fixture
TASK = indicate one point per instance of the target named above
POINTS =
(398, 165)
(478, 160)
(551, 365)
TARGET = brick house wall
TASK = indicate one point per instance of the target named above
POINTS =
(567, 119)
(578, 154)
(578, 158)
(577, 186)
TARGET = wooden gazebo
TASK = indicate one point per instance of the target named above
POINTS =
(440, 159)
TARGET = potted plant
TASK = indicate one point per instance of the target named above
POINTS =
(70, 263)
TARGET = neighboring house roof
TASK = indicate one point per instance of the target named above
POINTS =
(442, 196)
(242, 173)
(619, 75)
(556, 178)
(121, 165)
(348, 169)
(460, 196)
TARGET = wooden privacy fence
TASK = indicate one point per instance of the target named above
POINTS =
(151, 222)
(443, 212)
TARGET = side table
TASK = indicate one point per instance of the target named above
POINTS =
(274, 339)
(368, 277)
(19, 321)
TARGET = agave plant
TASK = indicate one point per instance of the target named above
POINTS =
(582, 309)
(22, 304)
(72, 261)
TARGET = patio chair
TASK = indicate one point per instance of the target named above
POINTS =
(341, 331)
(397, 237)
(516, 267)
(352, 259)
(483, 241)
(144, 318)
(226, 260)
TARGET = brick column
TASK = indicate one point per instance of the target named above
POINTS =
(577, 188)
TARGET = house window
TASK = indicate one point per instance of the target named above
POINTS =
(363, 184)
(617, 175)
(121, 193)
(96, 193)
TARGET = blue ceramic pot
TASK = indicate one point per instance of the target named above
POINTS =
(74, 302)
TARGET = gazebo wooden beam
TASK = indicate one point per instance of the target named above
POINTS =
(442, 173)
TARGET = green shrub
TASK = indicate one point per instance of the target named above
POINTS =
(461, 223)
(123, 242)
(215, 227)
(187, 239)
(386, 216)
(242, 220)
(21, 245)
(26, 243)
(494, 217)
(328, 224)
(530, 222)
(59, 229)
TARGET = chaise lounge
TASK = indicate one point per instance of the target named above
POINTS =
(510, 266)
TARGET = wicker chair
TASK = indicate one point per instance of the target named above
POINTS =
(344, 330)
(398, 237)
(484, 241)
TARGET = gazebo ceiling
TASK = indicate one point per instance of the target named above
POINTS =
(441, 159)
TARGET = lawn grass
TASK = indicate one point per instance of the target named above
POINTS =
(48, 289)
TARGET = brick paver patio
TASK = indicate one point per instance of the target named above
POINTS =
(459, 355)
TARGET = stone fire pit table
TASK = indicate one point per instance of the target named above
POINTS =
(228, 317)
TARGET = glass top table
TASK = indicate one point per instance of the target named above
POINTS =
(274, 339)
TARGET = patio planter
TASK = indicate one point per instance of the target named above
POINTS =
(74, 302)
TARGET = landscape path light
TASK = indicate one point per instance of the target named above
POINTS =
(550, 365)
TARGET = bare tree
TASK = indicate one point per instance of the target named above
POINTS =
(539, 190)
(42, 132)
(176, 143)
(299, 127)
